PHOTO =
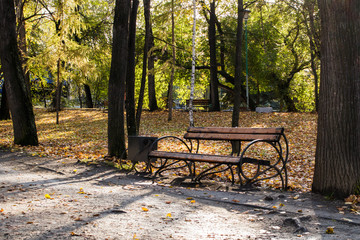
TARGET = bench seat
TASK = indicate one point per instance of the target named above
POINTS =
(206, 158)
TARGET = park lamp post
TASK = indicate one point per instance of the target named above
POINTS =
(246, 16)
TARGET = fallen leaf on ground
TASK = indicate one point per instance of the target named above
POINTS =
(330, 230)
(48, 196)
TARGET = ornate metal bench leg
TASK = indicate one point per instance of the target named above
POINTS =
(232, 175)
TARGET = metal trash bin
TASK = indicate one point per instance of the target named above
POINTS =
(139, 147)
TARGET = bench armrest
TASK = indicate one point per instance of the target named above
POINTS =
(189, 148)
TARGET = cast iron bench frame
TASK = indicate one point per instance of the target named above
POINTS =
(273, 136)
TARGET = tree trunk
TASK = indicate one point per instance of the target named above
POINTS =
(237, 80)
(21, 33)
(337, 164)
(151, 76)
(130, 74)
(4, 107)
(58, 92)
(88, 97)
(116, 131)
(170, 98)
(79, 95)
(193, 65)
(16, 89)
(147, 6)
(314, 55)
(214, 84)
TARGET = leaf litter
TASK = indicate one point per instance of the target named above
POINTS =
(73, 139)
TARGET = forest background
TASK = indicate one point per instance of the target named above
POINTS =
(282, 43)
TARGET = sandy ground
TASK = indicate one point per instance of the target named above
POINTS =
(46, 198)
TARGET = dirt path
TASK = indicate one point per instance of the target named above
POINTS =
(44, 198)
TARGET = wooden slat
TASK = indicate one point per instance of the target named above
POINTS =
(234, 130)
(199, 102)
(256, 161)
(232, 137)
(206, 158)
(195, 157)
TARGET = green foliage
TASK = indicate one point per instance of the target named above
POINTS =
(278, 47)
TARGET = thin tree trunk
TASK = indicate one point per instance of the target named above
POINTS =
(79, 96)
(151, 75)
(237, 80)
(337, 161)
(170, 99)
(88, 97)
(58, 92)
(130, 74)
(21, 33)
(311, 32)
(147, 6)
(18, 94)
(192, 87)
(214, 83)
(116, 90)
(43, 93)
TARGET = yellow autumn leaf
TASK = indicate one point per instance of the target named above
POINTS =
(1, 210)
(189, 198)
(168, 215)
(75, 170)
(145, 209)
(48, 196)
(330, 230)
(281, 204)
(192, 201)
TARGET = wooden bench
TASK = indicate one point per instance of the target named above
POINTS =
(264, 154)
(205, 103)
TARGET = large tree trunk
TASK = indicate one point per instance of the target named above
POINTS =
(116, 131)
(88, 97)
(151, 76)
(17, 91)
(4, 107)
(214, 84)
(337, 164)
(130, 74)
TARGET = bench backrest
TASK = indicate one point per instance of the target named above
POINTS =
(199, 101)
(234, 134)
